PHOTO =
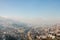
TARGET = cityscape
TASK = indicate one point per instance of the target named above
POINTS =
(29, 19)
(14, 30)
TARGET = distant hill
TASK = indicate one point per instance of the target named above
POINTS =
(5, 22)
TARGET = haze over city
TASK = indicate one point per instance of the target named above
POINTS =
(29, 19)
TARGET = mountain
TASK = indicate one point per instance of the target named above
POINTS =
(5, 22)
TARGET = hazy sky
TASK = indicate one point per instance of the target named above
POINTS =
(30, 8)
